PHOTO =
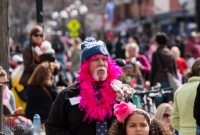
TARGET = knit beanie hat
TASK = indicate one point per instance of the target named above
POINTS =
(91, 47)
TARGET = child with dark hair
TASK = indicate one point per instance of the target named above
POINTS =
(133, 74)
(130, 120)
(158, 128)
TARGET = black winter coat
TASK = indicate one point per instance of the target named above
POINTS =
(67, 119)
(38, 102)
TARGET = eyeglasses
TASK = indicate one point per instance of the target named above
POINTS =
(166, 115)
(37, 35)
(4, 83)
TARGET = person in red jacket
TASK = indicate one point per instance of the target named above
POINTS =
(180, 63)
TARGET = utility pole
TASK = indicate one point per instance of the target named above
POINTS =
(198, 14)
(39, 12)
(4, 34)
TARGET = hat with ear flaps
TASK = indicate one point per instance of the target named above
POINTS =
(91, 47)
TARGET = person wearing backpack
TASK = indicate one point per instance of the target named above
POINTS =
(59, 46)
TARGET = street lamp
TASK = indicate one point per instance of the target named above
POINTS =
(64, 14)
(59, 20)
(83, 9)
(73, 13)
(55, 15)
(77, 8)
(183, 4)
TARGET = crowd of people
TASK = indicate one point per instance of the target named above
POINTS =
(83, 97)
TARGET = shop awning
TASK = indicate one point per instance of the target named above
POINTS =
(171, 14)
(123, 25)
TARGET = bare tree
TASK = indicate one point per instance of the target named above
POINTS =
(4, 34)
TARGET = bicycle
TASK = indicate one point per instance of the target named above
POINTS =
(148, 95)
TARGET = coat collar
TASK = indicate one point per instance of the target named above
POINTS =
(193, 79)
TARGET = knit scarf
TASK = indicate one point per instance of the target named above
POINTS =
(36, 57)
(97, 109)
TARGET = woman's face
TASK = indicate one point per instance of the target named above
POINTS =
(131, 52)
(166, 117)
(38, 37)
(4, 81)
(137, 125)
(176, 54)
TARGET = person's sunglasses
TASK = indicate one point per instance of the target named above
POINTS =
(166, 115)
(4, 83)
(38, 35)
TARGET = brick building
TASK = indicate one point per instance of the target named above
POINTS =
(159, 14)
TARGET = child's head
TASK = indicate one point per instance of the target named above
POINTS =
(129, 69)
(132, 68)
(159, 128)
(46, 47)
(130, 121)
(121, 63)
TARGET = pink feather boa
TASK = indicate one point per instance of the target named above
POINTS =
(97, 109)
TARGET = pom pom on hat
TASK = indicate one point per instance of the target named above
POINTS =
(46, 47)
(92, 47)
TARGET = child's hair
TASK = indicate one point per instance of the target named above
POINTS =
(2, 72)
(118, 128)
(158, 128)
(136, 70)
